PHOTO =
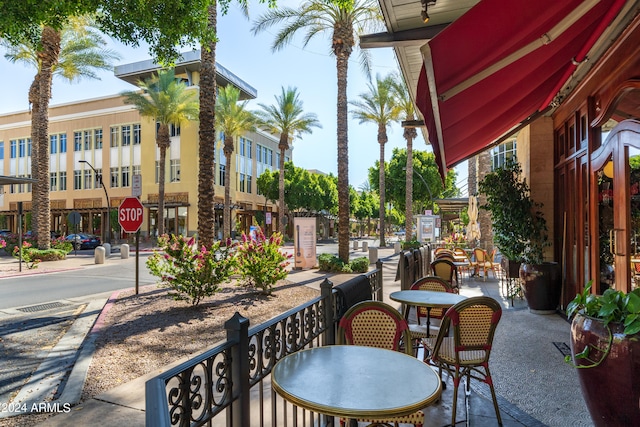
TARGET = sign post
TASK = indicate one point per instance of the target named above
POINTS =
(130, 215)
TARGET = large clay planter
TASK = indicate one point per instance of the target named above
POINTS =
(542, 286)
(611, 390)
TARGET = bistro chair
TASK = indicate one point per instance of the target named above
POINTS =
(447, 271)
(377, 324)
(463, 345)
(485, 262)
(445, 255)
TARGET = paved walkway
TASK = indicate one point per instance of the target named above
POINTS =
(535, 386)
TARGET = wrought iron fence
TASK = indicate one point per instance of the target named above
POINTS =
(229, 385)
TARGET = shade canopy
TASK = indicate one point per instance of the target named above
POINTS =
(500, 64)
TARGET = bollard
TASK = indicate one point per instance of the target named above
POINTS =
(99, 255)
(124, 251)
(355, 245)
(373, 255)
(397, 247)
(365, 246)
(107, 249)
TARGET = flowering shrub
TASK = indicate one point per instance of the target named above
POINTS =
(455, 240)
(193, 273)
(3, 244)
(26, 253)
(261, 263)
(61, 244)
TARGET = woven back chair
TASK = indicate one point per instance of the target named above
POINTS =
(431, 283)
(463, 345)
(446, 270)
(445, 255)
(377, 324)
(484, 262)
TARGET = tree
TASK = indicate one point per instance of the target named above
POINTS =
(407, 113)
(288, 119)
(74, 51)
(233, 119)
(378, 106)
(344, 19)
(167, 101)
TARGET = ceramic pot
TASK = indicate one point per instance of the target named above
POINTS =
(542, 286)
(611, 390)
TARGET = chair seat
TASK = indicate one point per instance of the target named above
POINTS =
(417, 418)
(447, 352)
(420, 331)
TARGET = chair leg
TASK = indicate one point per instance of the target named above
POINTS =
(489, 381)
(456, 383)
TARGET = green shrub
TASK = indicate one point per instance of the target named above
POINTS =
(411, 244)
(48, 254)
(333, 264)
(359, 265)
(193, 273)
(25, 253)
(261, 263)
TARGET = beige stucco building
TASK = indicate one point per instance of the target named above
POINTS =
(104, 138)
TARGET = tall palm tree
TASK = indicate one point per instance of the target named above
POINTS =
(378, 106)
(168, 101)
(233, 119)
(288, 119)
(407, 113)
(344, 20)
(76, 50)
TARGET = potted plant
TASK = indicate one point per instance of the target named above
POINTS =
(520, 232)
(605, 346)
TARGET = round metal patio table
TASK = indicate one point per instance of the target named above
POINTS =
(427, 299)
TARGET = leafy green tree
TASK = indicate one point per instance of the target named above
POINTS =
(287, 118)
(363, 208)
(167, 101)
(233, 119)
(378, 106)
(73, 51)
(344, 20)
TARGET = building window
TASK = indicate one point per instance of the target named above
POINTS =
(29, 185)
(241, 146)
(98, 178)
(1, 150)
(503, 153)
(259, 153)
(222, 175)
(63, 142)
(97, 136)
(77, 141)
(126, 135)
(248, 148)
(174, 130)
(28, 146)
(87, 140)
(175, 170)
(249, 184)
(22, 146)
(137, 138)
(114, 177)
(113, 142)
(88, 179)
(125, 177)
(53, 181)
(277, 160)
(53, 144)
(241, 182)
(13, 148)
(63, 181)
(136, 170)
(77, 180)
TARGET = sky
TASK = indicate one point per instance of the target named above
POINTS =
(312, 70)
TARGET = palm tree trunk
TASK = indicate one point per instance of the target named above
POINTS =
(281, 225)
(343, 160)
(163, 142)
(409, 185)
(228, 152)
(48, 57)
(207, 139)
(382, 139)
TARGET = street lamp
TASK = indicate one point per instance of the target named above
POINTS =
(99, 178)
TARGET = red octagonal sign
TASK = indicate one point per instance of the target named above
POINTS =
(130, 214)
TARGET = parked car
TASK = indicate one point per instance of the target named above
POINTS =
(86, 241)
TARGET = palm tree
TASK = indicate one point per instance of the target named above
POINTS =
(233, 119)
(378, 106)
(407, 113)
(345, 20)
(286, 118)
(73, 52)
(167, 101)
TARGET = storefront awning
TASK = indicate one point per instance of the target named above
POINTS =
(498, 65)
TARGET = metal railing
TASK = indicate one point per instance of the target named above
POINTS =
(229, 385)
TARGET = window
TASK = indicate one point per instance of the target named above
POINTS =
(248, 183)
(14, 146)
(136, 134)
(259, 153)
(114, 177)
(53, 144)
(53, 181)
(125, 177)
(175, 170)
(88, 181)
(136, 170)
(241, 146)
(113, 142)
(28, 146)
(87, 140)
(503, 153)
(222, 175)
(22, 147)
(249, 144)
(77, 141)
(63, 181)
(242, 182)
(126, 135)
(277, 160)
(174, 130)
(1, 150)
(97, 136)
(29, 185)
(98, 178)
(63, 142)
(77, 180)
(264, 156)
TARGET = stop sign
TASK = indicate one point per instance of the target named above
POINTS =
(130, 214)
